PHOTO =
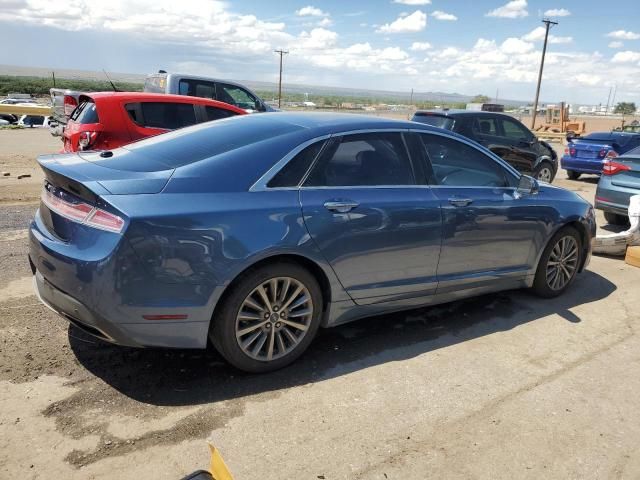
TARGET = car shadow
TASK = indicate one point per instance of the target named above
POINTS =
(191, 377)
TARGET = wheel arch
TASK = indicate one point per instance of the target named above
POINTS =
(305, 262)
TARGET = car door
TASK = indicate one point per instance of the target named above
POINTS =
(490, 233)
(369, 212)
(522, 152)
(237, 96)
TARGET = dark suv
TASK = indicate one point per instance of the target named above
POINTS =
(502, 134)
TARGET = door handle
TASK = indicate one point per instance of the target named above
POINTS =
(341, 206)
(460, 202)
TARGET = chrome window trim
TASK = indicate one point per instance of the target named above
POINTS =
(471, 143)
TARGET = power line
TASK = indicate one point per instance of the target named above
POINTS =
(547, 24)
(281, 52)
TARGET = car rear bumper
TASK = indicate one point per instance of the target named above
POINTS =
(614, 200)
(580, 165)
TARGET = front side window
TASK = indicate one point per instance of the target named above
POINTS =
(515, 131)
(485, 126)
(168, 116)
(370, 159)
(236, 96)
(459, 165)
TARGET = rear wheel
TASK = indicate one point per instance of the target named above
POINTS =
(269, 318)
(615, 219)
(559, 263)
(573, 175)
(544, 173)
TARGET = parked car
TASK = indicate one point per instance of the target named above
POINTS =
(255, 231)
(587, 154)
(502, 134)
(619, 181)
(17, 101)
(222, 90)
(109, 120)
(34, 121)
(63, 103)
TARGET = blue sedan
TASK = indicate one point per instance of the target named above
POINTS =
(589, 153)
(254, 232)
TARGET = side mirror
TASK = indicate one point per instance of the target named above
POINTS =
(527, 186)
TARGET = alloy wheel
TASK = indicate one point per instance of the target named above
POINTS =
(562, 263)
(274, 318)
(545, 174)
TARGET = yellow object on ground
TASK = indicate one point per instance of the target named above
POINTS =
(633, 256)
(219, 469)
(25, 110)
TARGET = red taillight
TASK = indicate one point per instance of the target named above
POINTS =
(611, 154)
(70, 104)
(572, 151)
(611, 168)
(83, 213)
(86, 139)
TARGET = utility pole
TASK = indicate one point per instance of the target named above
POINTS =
(613, 99)
(606, 109)
(53, 74)
(547, 24)
(281, 52)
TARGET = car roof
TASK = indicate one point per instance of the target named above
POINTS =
(196, 77)
(161, 97)
(459, 112)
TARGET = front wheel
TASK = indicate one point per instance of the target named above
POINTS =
(573, 175)
(544, 173)
(269, 318)
(559, 263)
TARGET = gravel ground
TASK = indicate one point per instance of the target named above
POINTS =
(502, 386)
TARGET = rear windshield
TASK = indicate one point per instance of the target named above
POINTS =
(434, 120)
(165, 115)
(190, 145)
(85, 113)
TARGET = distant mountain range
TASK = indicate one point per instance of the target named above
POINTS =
(401, 97)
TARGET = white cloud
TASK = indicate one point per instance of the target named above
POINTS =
(626, 57)
(325, 22)
(440, 15)
(537, 35)
(413, 2)
(420, 46)
(615, 44)
(514, 45)
(587, 79)
(624, 35)
(512, 9)
(557, 12)
(311, 11)
(317, 39)
(415, 22)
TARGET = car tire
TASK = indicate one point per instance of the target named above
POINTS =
(544, 172)
(573, 175)
(256, 306)
(616, 219)
(559, 263)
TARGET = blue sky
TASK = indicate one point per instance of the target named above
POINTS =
(438, 45)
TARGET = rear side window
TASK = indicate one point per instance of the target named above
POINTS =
(215, 113)
(164, 115)
(456, 164)
(370, 159)
(86, 112)
(197, 88)
(236, 96)
(292, 173)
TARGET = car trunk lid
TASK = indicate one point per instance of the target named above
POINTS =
(628, 178)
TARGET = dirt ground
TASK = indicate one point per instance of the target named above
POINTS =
(502, 386)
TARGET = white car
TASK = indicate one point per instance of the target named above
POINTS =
(35, 121)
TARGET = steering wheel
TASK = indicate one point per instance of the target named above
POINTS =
(443, 180)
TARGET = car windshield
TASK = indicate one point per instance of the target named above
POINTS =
(86, 113)
(439, 121)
